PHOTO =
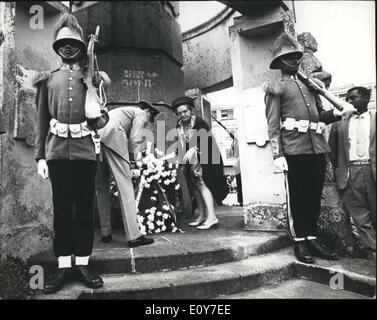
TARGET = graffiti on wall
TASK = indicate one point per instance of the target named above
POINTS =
(139, 78)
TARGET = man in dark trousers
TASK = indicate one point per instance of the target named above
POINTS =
(296, 119)
(66, 154)
(353, 145)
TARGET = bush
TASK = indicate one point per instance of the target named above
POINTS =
(14, 279)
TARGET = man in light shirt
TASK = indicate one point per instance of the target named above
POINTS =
(353, 144)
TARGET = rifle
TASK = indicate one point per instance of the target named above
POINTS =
(337, 102)
(226, 129)
(93, 103)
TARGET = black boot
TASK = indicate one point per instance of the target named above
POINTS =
(141, 241)
(55, 283)
(319, 251)
(301, 252)
(107, 239)
(88, 278)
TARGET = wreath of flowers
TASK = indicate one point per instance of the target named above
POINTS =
(163, 175)
(151, 169)
(153, 175)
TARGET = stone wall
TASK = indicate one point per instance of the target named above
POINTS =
(25, 199)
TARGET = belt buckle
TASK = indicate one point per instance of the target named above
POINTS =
(75, 130)
(320, 127)
(62, 130)
(303, 125)
(289, 123)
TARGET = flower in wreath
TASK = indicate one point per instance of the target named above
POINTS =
(143, 231)
(153, 210)
(165, 207)
(159, 213)
(150, 225)
(163, 228)
(151, 217)
(140, 219)
(165, 216)
(157, 230)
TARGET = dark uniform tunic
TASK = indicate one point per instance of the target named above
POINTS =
(71, 161)
(304, 151)
(61, 95)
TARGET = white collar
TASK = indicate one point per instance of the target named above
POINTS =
(67, 66)
(288, 76)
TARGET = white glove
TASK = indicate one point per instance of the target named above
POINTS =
(43, 168)
(281, 163)
(347, 108)
(189, 154)
(159, 153)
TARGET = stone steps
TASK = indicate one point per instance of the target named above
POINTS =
(295, 289)
(275, 275)
(196, 283)
(221, 262)
(176, 251)
(353, 275)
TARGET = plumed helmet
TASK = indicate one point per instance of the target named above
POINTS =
(68, 28)
(283, 45)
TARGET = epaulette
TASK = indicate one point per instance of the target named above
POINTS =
(40, 77)
(105, 78)
(274, 87)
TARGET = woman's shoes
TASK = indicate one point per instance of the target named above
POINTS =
(197, 222)
(206, 226)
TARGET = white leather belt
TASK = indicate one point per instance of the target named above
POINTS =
(303, 125)
(79, 130)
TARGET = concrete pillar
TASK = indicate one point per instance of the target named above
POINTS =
(252, 37)
(25, 199)
(141, 49)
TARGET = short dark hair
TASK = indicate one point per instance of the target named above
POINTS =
(145, 105)
(360, 90)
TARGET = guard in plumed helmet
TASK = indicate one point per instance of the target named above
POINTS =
(296, 120)
(66, 154)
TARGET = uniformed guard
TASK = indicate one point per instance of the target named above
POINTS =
(65, 152)
(296, 120)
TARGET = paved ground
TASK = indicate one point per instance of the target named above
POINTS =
(295, 289)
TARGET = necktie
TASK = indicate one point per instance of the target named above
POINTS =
(360, 138)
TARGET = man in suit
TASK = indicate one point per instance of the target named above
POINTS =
(353, 144)
(122, 136)
(296, 119)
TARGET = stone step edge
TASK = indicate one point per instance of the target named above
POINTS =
(198, 283)
(166, 262)
(339, 279)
